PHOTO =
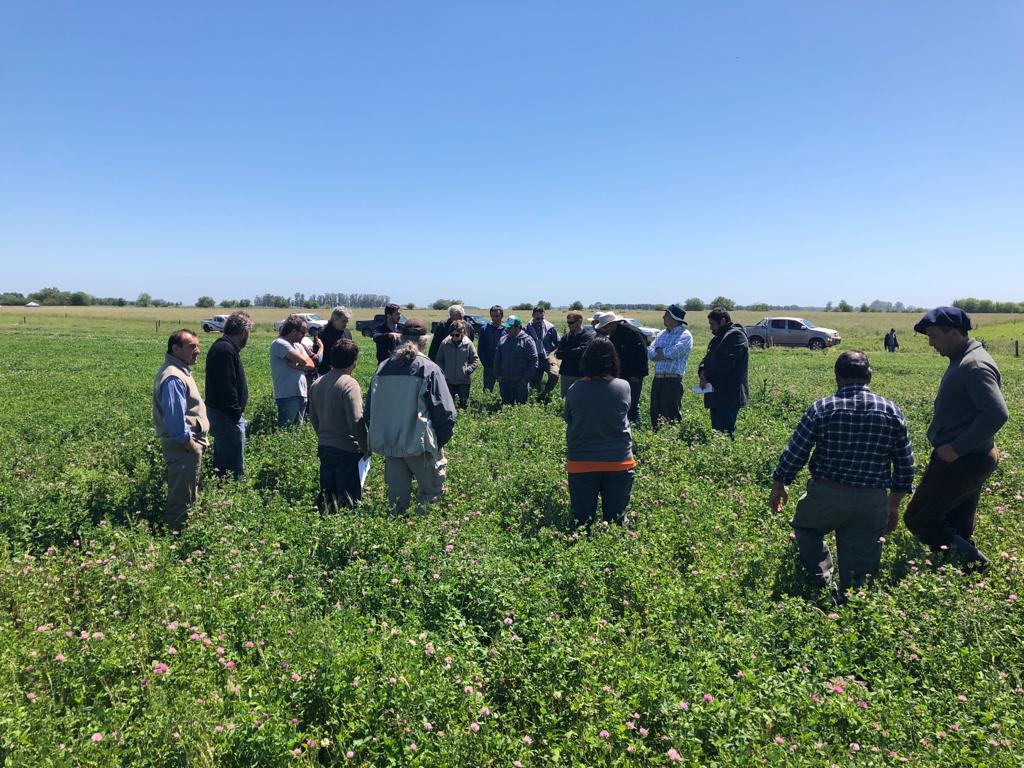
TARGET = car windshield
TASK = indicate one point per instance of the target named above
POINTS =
(808, 324)
(634, 322)
(313, 317)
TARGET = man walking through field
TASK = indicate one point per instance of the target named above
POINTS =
(969, 410)
(179, 416)
(861, 449)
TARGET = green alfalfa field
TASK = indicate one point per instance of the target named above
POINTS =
(482, 634)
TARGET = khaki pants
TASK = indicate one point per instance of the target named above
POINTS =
(428, 470)
(857, 515)
(183, 464)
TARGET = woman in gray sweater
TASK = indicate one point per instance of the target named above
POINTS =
(599, 447)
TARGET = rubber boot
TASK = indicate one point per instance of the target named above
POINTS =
(968, 554)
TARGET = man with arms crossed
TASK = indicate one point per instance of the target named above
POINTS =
(969, 410)
(861, 448)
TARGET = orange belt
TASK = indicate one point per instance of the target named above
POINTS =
(577, 467)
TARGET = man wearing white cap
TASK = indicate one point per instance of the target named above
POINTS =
(632, 350)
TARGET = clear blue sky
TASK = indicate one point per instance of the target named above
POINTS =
(497, 152)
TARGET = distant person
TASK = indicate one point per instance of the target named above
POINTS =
(179, 417)
(456, 314)
(670, 352)
(724, 367)
(335, 330)
(385, 335)
(570, 349)
(890, 341)
(545, 339)
(289, 365)
(598, 444)
(227, 394)
(969, 411)
(631, 347)
(411, 419)
(457, 359)
(336, 413)
(487, 346)
(861, 450)
(515, 363)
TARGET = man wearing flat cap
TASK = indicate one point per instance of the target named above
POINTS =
(969, 410)
(670, 351)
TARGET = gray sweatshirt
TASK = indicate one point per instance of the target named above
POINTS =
(969, 408)
(596, 421)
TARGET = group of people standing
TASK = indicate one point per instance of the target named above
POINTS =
(857, 443)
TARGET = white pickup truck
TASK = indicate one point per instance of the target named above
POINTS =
(790, 332)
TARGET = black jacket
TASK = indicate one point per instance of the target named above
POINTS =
(725, 368)
(632, 348)
(570, 351)
(226, 387)
(384, 340)
(330, 336)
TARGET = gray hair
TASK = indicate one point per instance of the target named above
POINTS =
(237, 324)
(408, 348)
(341, 311)
(456, 310)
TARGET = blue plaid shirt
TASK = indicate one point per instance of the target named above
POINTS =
(676, 345)
(856, 436)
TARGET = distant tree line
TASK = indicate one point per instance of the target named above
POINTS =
(987, 305)
(875, 306)
(315, 300)
(55, 297)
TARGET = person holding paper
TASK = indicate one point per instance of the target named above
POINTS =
(336, 413)
(724, 368)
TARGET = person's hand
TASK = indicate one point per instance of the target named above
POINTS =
(703, 379)
(659, 355)
(946, 453)
(778, 497)
(893, 521)
(366, 456)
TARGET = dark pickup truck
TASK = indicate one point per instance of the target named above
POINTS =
(366, 327)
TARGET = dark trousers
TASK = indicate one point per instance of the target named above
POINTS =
(514, 392)
(945, 503)
(490, 378)
(614, 488)
(339, 479)
(460, 391)
(538, 378)
(635, 389)
(228, 443)
(724, 419)
(666, 397)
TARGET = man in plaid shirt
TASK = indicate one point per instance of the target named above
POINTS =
(861, 448)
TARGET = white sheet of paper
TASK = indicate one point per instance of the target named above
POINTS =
(699, 390)
(364, 469)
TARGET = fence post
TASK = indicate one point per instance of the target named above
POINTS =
(1016, 347)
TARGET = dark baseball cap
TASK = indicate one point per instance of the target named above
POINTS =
(945, 317)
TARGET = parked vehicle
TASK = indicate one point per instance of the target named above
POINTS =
(648, 332)
(366, 327)
(791, 332)
(215, 323)
(313, 320)
(478, 322)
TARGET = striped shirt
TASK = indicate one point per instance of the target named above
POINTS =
(676, 345)
(859, 439)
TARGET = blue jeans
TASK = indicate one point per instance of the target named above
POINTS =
(228, 443)
(290, 410)
(615, 489)
(514, 392)
(339, 478)
(724, 419)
